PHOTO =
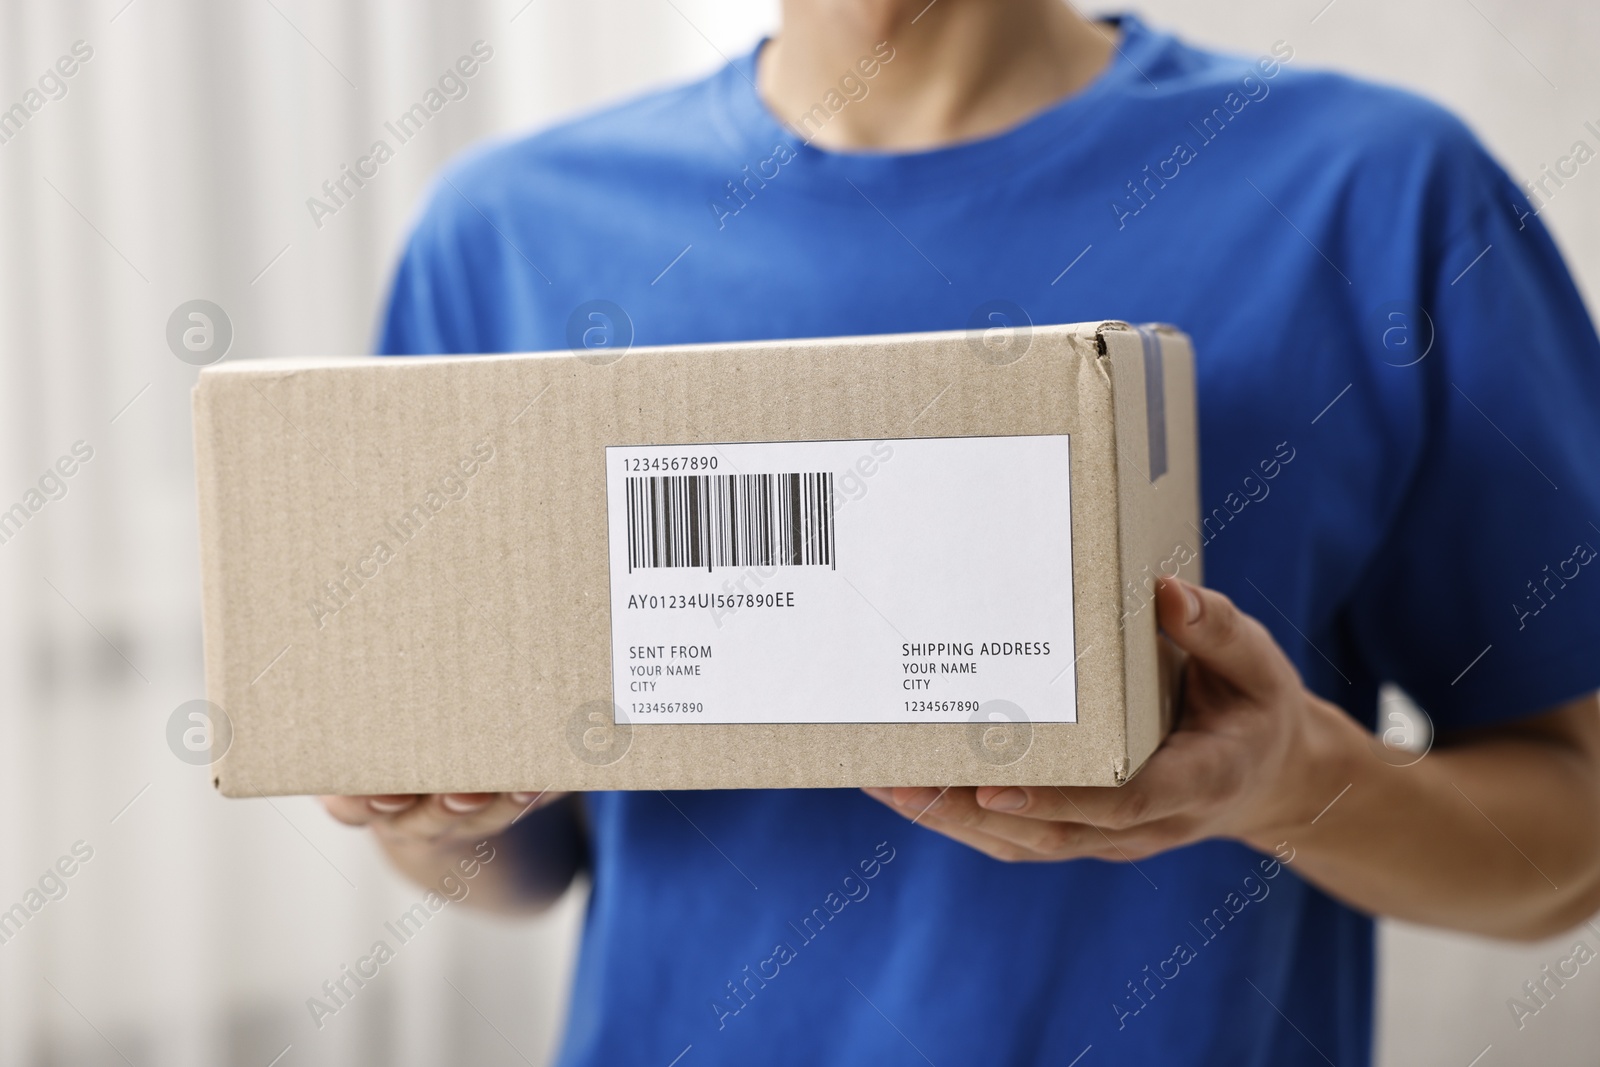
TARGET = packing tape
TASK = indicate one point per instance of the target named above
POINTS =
(1155, 400)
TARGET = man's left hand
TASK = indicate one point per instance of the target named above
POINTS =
(1234, 766)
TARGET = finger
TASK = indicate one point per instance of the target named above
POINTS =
(1184, 776)
(958, 810)
(1016, 842)
(528, 803)
(920, 815)
(1207, 625)
(361, 810)
(904, 805)
(1010, 838)
(993, 847)
(352, 811)
(455, 814)
(466, 803)
(1055, 838)
(502, 810)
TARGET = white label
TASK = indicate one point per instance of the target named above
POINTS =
(842, 581)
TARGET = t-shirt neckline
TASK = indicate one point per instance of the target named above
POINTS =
(757, 132)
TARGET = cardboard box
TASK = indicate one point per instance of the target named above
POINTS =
(898, 560)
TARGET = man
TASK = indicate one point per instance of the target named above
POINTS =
(1399, 417)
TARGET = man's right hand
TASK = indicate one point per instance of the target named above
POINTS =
(438, 820)
(426, 836)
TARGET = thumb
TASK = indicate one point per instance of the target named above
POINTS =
(1226, 641)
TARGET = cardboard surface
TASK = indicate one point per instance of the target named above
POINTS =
(405, 561)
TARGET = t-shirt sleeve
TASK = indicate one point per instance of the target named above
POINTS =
(1483, 602)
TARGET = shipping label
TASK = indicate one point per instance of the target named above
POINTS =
(903, 581)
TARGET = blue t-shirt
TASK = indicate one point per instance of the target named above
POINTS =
(1399, 395)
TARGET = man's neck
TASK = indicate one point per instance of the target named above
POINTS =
(960, 69)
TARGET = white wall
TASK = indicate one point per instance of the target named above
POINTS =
(177, 166)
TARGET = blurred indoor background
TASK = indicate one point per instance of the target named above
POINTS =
(174, 165)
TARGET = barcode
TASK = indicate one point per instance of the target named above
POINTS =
(731, 520)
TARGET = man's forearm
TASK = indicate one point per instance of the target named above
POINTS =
(1492, 835)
